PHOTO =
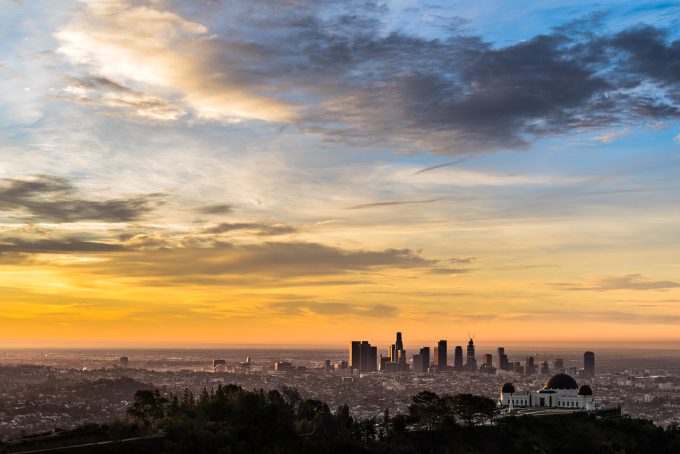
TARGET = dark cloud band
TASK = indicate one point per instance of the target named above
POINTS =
(55, 199)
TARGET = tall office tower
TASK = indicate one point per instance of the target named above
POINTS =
(515, 367)
(589, 365)
(216, 362)
(372, 359)
(384, 360)
(417, 364)
(441, 355)
(502, 359)
(545, 368)
(458, 359)
(399, 344)
(471, 365)
(365, 349)
(342, 365)
(425, 353)
(328, 366)
(397, 353)
(123, 361)
(529, 369)
(558, 365)
(487, 359)
(355, 355)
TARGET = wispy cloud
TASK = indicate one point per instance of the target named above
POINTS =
(53, 198)
(380, 204)
(427, 169)
(124, 41)
(609, 137)
(616, 282)
(330, 221)
(56, 246)
(262, 229)
(449, 271)
(222, 208)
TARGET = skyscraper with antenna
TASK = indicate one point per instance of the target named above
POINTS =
(471, 364)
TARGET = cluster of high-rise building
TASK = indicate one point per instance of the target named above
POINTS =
(363, 358)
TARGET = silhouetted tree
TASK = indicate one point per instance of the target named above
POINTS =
(472, 409)
(343, 418)
(148, 407)
(292, 395)
(427, 408)
(399, 424)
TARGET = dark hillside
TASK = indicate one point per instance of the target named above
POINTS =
(231, 420)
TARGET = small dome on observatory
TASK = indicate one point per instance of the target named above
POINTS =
(508, 388)
(585, 390)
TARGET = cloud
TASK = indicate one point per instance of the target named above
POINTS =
(617, 282)
(54, 199)
(123, 41)
(299, 309)
(462, 260)
(645, 301)
(379, 204)
(264, 229)
(524, 267)
(676, 139)
(330, 221)
(57, 246)
(262, 264)
(427, 169)
(277, 229)
(657, 125)
(332, 71)
(334, 309)
(118, 100)
(448, 271)
(147, 241)
(222, 208)
(227, 227)
(609, 137)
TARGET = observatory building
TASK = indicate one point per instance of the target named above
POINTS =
(560, 391)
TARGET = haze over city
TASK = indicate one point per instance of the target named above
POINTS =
(190, 174)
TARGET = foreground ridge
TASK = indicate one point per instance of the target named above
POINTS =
(233, 420)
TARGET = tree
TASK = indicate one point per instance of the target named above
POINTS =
(343, 418)
(173, 409)
(399, 424)
(292, 395)
(363, 430)
(148, 407)
(384, 428)
(427, 408)
(310, 408)
(472, 409)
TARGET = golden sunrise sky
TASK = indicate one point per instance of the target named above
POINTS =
(181, 172)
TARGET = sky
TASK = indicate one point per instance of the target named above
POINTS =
(310, 172)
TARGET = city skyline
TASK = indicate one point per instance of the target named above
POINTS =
(363, 359)
(188, 174)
